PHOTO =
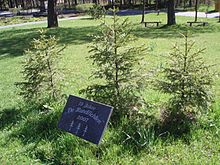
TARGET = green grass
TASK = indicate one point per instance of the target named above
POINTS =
(18, 19)
(27, 137)
(201, 8)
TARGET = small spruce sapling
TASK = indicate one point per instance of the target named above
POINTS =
(118, 64)
(40, 70)
(188, 80)
(97, 11)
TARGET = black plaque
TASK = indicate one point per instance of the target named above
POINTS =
(85, 119)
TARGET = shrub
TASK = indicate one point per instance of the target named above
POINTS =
(188, 80)
(59, 9)
(84, 7)
(97, 11)
(15, 11)
(40, 70)
(118, 65)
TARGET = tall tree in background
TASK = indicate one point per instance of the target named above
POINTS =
(171, 19)
(190, 3)
(1, 4)
(196, 10)
(42, 6)
(143, 11)
(52, 15)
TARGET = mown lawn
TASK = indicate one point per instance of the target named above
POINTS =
(18, 19)
(27, 137)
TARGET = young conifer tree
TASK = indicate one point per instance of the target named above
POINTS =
(188, 79)
(117, 63)
(40, 71)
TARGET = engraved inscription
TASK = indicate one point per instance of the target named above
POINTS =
(85, 119)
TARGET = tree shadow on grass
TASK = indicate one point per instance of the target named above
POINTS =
(173, 31)
(173, 128)
(42, 140)
(40, 130)
(37, 127)
(9, 117)
(13, 42)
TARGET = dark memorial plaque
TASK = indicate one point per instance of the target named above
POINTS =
(85, 119)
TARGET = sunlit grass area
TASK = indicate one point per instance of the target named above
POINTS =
(18, 19)
(27, 137)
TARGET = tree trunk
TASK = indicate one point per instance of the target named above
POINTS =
(171, 19)
(190, 3)
(76, 3)
(16, 3)
(184, 4)
(42, 6)
(143, 12)
(1, 5)
(23, 4)
(196, 10)
(94, 1)
(10, 4)
(52, 15)
(33, 5)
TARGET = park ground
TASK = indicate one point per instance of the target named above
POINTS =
(29, 137)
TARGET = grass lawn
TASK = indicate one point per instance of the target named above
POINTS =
(18, 19)
(27, 137)
(201, 8)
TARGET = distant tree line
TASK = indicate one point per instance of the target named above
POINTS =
(27, 4)
(5, 4)
(147, 4)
